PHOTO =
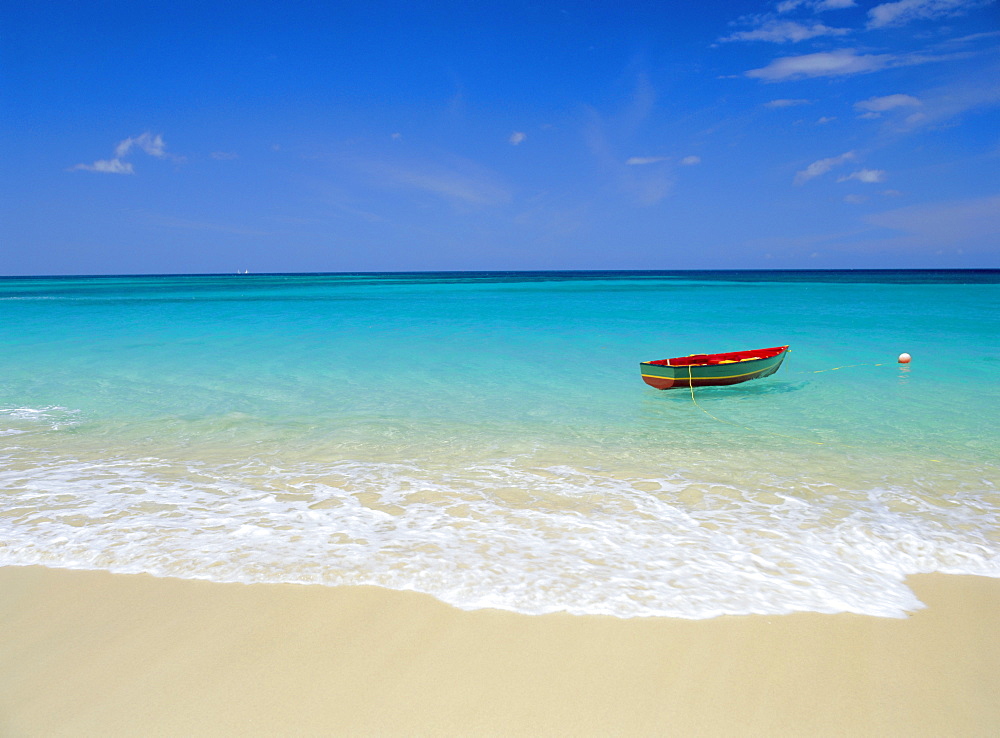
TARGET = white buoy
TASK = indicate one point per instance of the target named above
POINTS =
(904, 358)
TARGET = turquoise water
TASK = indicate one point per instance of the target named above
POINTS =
(486, 437)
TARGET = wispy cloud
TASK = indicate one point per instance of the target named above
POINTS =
(108, 166)
(690, 161)
(975, 221)
(873, 107)
(517, 137)
(146, 142)
(822, 64)
(941, 106)
(816, 5)
(780, 32)
(224, 155)
(818, 168)
(971, 38)
(785, 103)
(461, 182)
(641, 160)
(777, 27)
(870, 176)
(641, 104)
(643, 180)
(905, 11)
(834, 64)
(645, 191)
(152, 145)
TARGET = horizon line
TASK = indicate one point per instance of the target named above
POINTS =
(496, 271)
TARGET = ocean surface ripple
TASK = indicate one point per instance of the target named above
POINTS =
(488, 441)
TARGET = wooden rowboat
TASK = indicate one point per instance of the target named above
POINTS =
(705, 370)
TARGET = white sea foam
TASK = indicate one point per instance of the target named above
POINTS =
(17, 420)
(28, 413)
(505, 534)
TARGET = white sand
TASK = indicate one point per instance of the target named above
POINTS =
(95, 654)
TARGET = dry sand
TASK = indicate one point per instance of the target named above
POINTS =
(95, 654)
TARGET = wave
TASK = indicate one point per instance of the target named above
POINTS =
(506, 534)
(18, 420)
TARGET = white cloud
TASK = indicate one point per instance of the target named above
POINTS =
(870, 176)
(942, 105)
(887, 102)
(824, 64)
(689, 161)
(971, 38)
(838, 63)
(147, 142)
(780, 32)
(517, 137)
(855, 199)
(152, 145)
(784, 103)
(826, 119)
(108, 166)
(642, 180)
(817, 5)
(875, 106)
(822, 166)
(904, 11)
(640, 160)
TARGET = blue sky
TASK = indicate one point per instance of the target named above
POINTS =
(309, 136)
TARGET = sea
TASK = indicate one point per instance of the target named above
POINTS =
(486, 437)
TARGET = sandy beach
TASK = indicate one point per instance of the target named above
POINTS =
(89, 653)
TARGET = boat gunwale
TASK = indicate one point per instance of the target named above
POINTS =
(665, 363)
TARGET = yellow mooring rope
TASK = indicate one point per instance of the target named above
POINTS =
(744, 427)
(772, 433)
(849, 366)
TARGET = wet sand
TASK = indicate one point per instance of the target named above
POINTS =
(95, 654)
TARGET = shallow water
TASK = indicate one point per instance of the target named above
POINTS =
(486, 438)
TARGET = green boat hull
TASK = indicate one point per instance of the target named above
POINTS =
(708, 370)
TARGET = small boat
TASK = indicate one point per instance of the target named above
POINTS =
(707, 370)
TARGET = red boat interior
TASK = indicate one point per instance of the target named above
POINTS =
(711, 359)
